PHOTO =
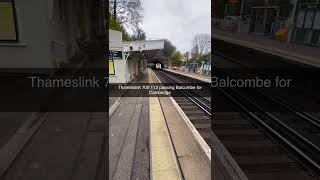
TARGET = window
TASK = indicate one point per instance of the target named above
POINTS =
(8, 25)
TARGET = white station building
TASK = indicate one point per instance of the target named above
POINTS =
(127, 59)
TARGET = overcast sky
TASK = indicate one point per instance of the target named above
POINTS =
(176, 20)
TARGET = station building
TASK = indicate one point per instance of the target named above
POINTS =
(127, 60)
(48, 33)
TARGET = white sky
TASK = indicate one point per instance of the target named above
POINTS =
(176, 20)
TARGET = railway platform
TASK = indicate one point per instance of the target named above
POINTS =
(206, 79)
(56, 143)
(290, 51)
(150, 139)
(224, 166)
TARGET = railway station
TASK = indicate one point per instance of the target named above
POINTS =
(167, 116)
(152, 136)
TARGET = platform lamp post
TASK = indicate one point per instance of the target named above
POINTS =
(226, 9)
(241, 10)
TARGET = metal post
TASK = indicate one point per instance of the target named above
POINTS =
(241, 11)
(115, 10)
(225, 10)
(291, 20)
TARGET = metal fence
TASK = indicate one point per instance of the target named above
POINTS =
(231, 25)
(306, 36)
(305, 31)
(307, 25)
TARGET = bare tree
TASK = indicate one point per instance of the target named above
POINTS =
(169, 48)
(139, 35)
(186, 55)
(127, 12)
(201, 44)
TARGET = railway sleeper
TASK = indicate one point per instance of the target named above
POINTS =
(201, 121)
(286, 166)
(240, 137)
(194, 113)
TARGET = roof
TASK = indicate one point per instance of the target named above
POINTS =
(142, 45)
(265, 7)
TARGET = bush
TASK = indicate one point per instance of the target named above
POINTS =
(115, 25)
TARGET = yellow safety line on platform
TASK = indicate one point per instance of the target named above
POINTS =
(164, 163)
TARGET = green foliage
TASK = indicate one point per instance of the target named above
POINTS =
(115, 25)
(176, 58)
(198, 58)
(205, 57)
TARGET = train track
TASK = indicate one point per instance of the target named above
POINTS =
(197, 109)
(267, 145)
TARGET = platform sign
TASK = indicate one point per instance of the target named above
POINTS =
(111, 68)
(115, 55)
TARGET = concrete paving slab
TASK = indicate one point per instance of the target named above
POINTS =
(206, 79)
(141, 162)
(164, 164)
(89, 160)
(10, 122)
(295, 52)
(125, 161)
(198, 169)
(118, 127)
(192, 160)
(165, 175)
(61, 132)
(124, 138)
(98, 122)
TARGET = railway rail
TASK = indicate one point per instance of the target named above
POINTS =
(266, 144)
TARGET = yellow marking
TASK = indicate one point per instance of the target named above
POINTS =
(111, 68)
(7, 24)
(164, 163)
